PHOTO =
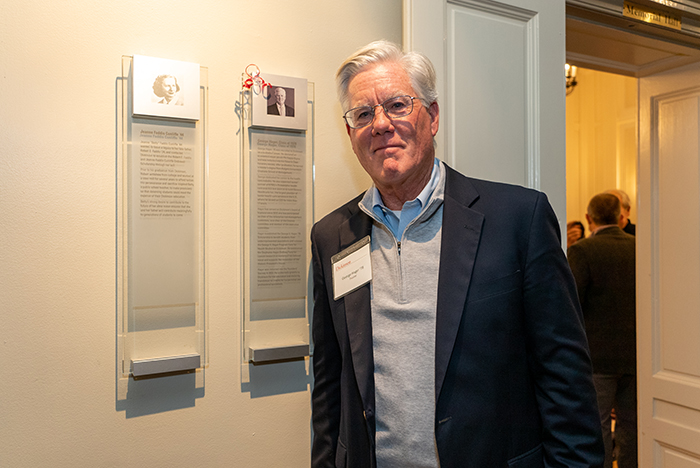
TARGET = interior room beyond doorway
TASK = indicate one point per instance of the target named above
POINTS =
(601, 140)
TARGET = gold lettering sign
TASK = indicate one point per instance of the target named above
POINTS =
(660, 18)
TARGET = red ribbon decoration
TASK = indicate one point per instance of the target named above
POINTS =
(254, 78)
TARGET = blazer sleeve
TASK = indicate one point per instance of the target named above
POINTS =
(579, 267)
(558, 349)
(327, 365)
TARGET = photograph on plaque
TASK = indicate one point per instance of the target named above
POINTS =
(165, 88)
(280, 104)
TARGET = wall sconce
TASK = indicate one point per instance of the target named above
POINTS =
(570, 74)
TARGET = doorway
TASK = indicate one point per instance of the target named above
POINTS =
(601, 143)
(666, 73)
(610, 53)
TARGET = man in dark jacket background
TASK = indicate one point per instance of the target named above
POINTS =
(604, 268)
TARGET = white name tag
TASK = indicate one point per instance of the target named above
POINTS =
(352, 268)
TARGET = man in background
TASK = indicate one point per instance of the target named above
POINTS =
(625, 209)
(604, 267)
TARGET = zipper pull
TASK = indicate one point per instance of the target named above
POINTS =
(398, 244)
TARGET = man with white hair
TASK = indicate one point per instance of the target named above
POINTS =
(279, 106)
(446, 327)
(625, 209)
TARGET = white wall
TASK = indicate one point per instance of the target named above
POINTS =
(59, 63)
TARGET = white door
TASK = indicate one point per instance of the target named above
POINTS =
(668, 269)
(500, 68)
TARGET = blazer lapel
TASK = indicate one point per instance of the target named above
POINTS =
(461, 231)
(358, 317)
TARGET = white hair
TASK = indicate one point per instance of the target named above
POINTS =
(417, 66)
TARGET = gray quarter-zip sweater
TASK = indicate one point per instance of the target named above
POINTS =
(404, 304)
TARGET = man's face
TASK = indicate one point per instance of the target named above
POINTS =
(169, 87)
(393, 152)
(280, 95)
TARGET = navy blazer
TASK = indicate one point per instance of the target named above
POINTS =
(513, 383)
(604, 269)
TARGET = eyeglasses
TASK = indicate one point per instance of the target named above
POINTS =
(395, 108)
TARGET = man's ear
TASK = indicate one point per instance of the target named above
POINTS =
(347, 129)
(434, 112)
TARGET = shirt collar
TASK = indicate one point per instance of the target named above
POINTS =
(397, 221)
(600, 228)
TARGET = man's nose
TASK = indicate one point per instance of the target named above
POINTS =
(381, 122)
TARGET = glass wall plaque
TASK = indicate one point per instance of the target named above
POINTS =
(161, 238)
(277, 198)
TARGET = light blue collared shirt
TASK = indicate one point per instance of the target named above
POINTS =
(397, 221)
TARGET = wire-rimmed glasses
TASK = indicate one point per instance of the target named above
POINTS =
(394, 108)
